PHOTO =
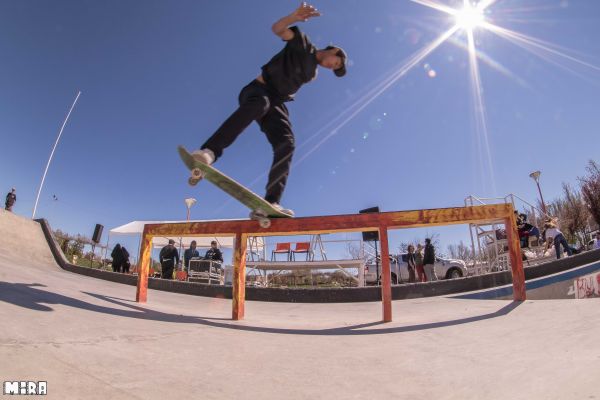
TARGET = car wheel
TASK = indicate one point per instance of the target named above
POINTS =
(454, 273)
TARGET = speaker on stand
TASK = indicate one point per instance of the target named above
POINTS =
(95, 240)
(372, 236)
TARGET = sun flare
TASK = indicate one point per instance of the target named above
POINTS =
(469, 17)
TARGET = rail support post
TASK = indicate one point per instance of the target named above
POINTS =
(239, 276)
(386, 281)
(141, 295)
(516, 262)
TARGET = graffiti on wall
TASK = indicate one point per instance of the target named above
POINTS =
(587, 286)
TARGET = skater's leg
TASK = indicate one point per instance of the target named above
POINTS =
(557, 247)
(278, 129)
(254, 104)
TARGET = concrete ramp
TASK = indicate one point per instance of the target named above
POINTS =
(23, 244)
(88, 339)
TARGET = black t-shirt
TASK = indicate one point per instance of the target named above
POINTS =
(169, 252)
(292, 67)
(214, 254)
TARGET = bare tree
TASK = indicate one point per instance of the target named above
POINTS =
(572, 214)
(461, 252)
(353, 250)
(590, 188)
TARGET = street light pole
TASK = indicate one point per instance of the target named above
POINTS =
(37, 199)
(536, 177)
(189, 202)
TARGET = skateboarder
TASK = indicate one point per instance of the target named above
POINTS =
(263, 100)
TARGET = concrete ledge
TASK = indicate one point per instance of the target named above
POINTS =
(327, 295)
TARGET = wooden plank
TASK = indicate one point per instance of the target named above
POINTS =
(386, 282)
(143, 267)
(516, 261)
(338, 223)
(239, 276)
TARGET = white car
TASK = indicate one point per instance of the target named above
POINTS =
(444, 269)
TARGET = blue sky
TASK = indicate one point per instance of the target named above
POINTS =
(155, 74)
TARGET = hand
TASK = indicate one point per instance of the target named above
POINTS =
(305, 12)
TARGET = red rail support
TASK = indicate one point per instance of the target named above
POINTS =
(382, 222)
(239, 276)
(144, 266)
(516, 261)
(386, 274)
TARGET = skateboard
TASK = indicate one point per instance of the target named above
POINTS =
(261, 210)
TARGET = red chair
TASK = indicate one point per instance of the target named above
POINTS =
(282, 248)
(302, 247)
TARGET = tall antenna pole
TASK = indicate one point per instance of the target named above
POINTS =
(37, 199)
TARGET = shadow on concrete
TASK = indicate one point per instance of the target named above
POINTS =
(31, 297)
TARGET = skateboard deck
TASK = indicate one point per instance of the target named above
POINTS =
(254, 202)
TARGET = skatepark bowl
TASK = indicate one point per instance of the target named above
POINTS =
(83, 333)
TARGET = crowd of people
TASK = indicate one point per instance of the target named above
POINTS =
(169, 257)
(421, 262)
(550, 237)
(120, 259)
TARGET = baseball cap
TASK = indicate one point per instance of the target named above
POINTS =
(342, 54)
(171, 241)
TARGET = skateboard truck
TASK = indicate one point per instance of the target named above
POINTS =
(261, 217)
(196, 176)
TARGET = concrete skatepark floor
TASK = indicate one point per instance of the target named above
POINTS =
(89, 339)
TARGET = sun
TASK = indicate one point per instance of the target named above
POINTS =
(470, 17)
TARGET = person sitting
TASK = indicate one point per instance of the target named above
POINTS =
(526, 230)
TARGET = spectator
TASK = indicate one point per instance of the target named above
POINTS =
(429, 261)
(11, 198)
(411, 264)
(419, 263)
(552, 231)
(596, 242)
(117, 258)
(214, 253)
(168, 258)
(126, 264)
(189, 254)
(526, 230)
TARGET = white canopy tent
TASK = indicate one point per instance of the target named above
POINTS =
(137, 228)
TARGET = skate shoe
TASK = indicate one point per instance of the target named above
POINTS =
(279, 208)
(205, 156)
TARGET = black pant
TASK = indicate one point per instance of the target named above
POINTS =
(116, 266)
(167, 268)
(257, 104)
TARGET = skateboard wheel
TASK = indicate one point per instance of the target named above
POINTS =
(264, 222)
(193, 181)
(197, 174)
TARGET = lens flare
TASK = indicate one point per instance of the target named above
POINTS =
(469, 17)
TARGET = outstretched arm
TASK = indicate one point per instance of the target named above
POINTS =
(302, 13)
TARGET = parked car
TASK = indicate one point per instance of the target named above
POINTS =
(444, 269)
